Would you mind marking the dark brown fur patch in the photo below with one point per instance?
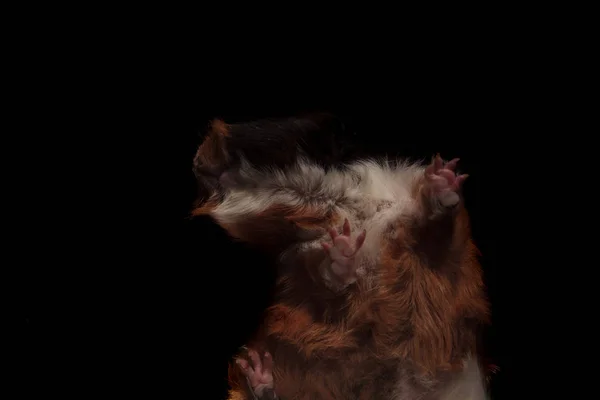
(212, 153)
(424, 316)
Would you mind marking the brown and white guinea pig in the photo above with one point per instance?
(379, 295)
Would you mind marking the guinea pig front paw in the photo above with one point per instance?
(343, 252)
(259, 374)
(442, 181)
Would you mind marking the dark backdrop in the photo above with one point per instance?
(119, 293)
(142, 299)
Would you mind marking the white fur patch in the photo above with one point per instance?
(469, 386)
(369, 193)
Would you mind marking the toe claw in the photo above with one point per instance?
(451, 165)
(255, 360)
(458, 182)
(346, 228)
(333, 233)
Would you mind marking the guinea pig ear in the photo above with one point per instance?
(212, 155)
(218, 127)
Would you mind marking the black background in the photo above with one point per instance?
(134, 297)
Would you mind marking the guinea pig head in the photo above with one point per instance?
(211, 160)
(232, 163)
(263, 144)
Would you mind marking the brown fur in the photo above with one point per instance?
(213, 151)
(424, 314)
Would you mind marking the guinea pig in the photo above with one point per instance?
(379, 293)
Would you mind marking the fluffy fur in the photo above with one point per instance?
(406, 329)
